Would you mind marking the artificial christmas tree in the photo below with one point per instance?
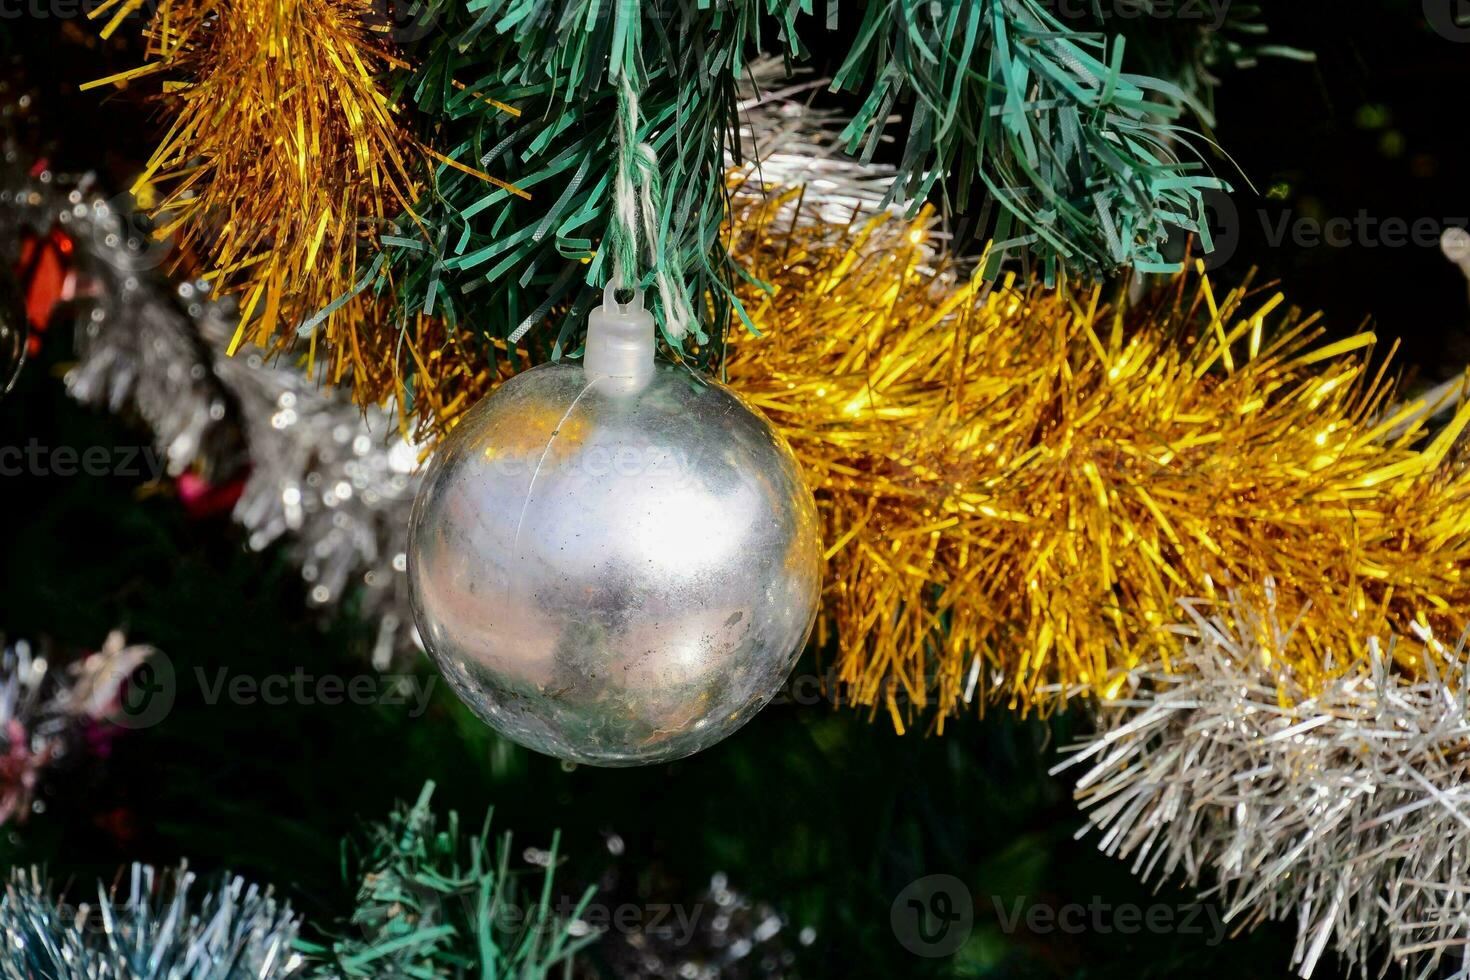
(1070, 491)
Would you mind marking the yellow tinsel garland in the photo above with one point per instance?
(1018, 485)
(282, 165)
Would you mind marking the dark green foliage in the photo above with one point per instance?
(1077, 158)
(434, 902)
(492, 261)
(1081, 157)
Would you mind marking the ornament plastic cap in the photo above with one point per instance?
(620, 342)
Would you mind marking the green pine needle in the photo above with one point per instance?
(1079, 156)
(433, 902)
(1079, 159)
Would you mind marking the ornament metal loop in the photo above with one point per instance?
(610, 300)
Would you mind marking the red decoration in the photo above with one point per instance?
(204, 499)
(44, 273)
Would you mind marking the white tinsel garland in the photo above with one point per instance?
(1348, 811)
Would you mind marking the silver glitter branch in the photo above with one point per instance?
(334, 481)
(1348, 811)
(797, 145)
(159, 928)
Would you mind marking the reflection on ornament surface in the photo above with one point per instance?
(614, 577)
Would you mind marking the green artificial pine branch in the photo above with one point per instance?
(491, 261)
(433, 902)
(1078, 157)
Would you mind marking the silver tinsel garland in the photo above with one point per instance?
(1348, 811)
(794, 144)
(159, 927)
(334, 481)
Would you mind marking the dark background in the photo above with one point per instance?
(1368, 127)
(820, 810)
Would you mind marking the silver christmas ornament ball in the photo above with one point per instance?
(614, 570)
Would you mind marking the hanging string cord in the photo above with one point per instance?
(637, 202)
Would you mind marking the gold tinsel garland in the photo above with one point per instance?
(282, 164)
(1019, 485)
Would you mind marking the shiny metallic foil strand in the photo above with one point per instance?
(151, 924)
(282, 163)
(1343, 805)
(1017, 484)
